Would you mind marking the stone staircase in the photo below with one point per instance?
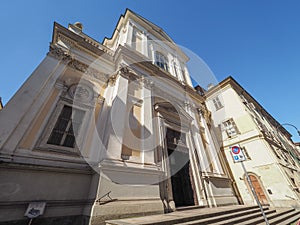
(242, 215)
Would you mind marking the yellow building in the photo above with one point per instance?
(272, 159)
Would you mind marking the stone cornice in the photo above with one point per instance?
(73, 63)
(88, 70)
(85, 42)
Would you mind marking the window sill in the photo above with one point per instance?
(58, 149)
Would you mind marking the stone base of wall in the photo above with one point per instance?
(64, 220)
(224, 201)
(285, 203)
(125, 209)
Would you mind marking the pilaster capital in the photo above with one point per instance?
(59, 54)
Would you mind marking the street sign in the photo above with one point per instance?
(237, 154)
(35, 209)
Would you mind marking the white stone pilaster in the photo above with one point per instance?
(117, 117)
(129, 33)
(148, 138)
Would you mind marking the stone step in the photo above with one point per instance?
(272, 219)
(190, 207)
(183, 216)
(240, 215)
(286, 219)
(244, 219)
(230, 217)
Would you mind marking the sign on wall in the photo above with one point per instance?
(35, 209)
(237, 153)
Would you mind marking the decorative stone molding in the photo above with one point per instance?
(86, 69)
(80, 92)
(124, 71)
(127, 72)
(148, 83)
(60, 85)
(59, 54)
(100, 99)
(203, 111)
(112, 79)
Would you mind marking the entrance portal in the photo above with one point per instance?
(258, 190)
(179, 162)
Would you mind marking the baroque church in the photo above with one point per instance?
(109, 130)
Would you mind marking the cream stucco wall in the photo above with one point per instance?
(263, 162)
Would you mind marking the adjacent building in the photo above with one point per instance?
(272, 159)
(108, 130)
(1, 105)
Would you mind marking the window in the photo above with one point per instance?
(230, 127)
(66, 127)
(244, 150)
(217, 103)
(137, 40)
(161, 61)
(175, 69)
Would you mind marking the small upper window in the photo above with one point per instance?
(161, 61)
(137, 40)
(175, 69)
(217, 103)
(230, 127)
(66, 127)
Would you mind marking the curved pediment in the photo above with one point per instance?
(173, 112)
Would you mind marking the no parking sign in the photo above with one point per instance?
(237, 154)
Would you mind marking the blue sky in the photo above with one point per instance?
(257, 42)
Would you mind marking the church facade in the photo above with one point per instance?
(109, 130)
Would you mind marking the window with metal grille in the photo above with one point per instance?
(161, 61)
(230, 127)
(67, 127)
(217, 103)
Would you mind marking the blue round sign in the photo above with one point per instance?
(235, 149)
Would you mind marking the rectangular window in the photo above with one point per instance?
(137, 40)
(217, 103)
(66, 127)
(230, 127)
(161, 61)
(244, 150)
(175, 69)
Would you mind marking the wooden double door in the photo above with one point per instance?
(183, 194)
(258, 190)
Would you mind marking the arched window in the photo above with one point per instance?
(161, 61)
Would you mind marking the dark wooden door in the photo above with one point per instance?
(181, 184)
(258, 190)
